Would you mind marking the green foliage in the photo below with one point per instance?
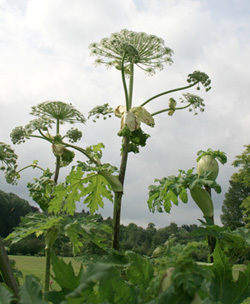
(5, 295)
(104, 110)
(236, 244)
(64, 274)
(92, 187)
(41, 189)
(232, 211)
(236, 206)
(37, 224)
(169, 189)
(140, 270)
(216, 154)
(223, 288)
(31, 292)
(12, 209)
(137, 138)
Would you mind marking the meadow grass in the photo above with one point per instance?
(36, 266)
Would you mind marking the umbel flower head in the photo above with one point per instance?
(146, 51)
(58, 110)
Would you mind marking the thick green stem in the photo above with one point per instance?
(47, 268)
(167, 92)
(6, 270)
(57, 169)
(123, 164)
(118, 195)
(124, 82)
(131, 85)
(48, 248)
(210, 240)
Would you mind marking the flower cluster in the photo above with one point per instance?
(195, 101)
(200, 77)
(8, 160)
(146, 51)
(58, 110)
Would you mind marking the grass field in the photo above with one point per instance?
(36, 265)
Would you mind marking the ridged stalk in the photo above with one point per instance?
(124, 157)
(47, 268)
(118, 195)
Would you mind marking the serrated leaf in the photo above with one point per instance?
(5, 296)
(59, 194)
(96, 189)
(31, 291)
(72, 232)
(37, 223)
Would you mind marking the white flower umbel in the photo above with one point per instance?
(146, 51)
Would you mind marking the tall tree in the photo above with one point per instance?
(236, 207)
(12, 208)
(232, 213)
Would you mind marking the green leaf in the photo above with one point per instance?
(64, 274)
(102, 283)
(36, 223)
(223, 287)
(5, 296)
(96, 189)
(93, 188)
(140, 270)
(183, 195)
(31, 291)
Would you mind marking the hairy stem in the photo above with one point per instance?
(6, 270)
(167, 92)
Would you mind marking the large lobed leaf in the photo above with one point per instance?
(93, 188)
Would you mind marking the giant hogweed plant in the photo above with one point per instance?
(126, 51)
(90, 180)
(169, 190)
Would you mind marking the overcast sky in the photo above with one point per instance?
(44, 55)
